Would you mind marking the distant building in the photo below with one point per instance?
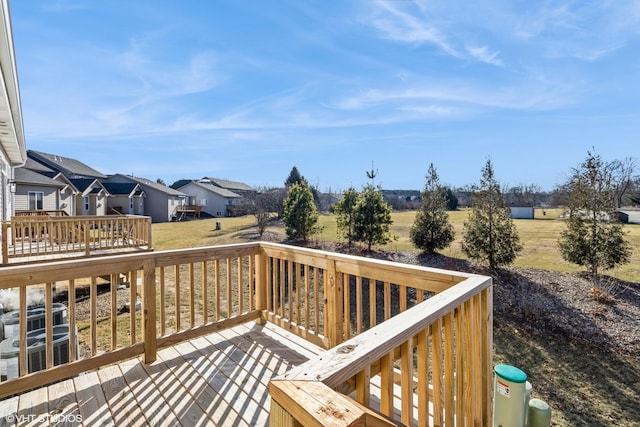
(522, 211)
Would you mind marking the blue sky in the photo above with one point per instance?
(245, 90)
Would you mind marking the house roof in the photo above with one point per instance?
(39, 167)
(88, 185)
(127, 189)
(217, 190)
(11, 126)
(181, 183)
(29, 177)
(147, 182)
(228, 184)
(72, 168)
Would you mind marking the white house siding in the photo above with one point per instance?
(522, 212)
(5, 194)
(67, 201)
(122, 204)
(212, 203)
(174, 204)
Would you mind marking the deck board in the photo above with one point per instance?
(219, 379)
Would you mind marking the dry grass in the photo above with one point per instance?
(539, 238)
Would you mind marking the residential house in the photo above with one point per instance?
(127, 198)
(234, 186)
(213, 199)
(158, 201)
(91, 197)
(34, 183)
(36, 192)
(12, 147)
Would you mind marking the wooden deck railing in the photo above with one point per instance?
(31, 237)
(419, 334)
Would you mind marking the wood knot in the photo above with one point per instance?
(345, 349)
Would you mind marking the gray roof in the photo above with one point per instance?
(69, 167)
(122, 188)
(82, 184)
(159, 187)
(39, 167)
(29, 177)
(217, 190)
(228, 184)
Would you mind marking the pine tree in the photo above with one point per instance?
(594, 237)
(345, 211)
(431, 229)
(294, 178)
(300, 213)
(372, 218)
(490, 233)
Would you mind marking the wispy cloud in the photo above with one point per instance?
(483, 54)
(396, 24)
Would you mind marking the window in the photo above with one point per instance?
(131, 204)
(85, 203)
(36, 200)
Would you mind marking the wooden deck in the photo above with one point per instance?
(219, 380)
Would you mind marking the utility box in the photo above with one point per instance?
(510, 395)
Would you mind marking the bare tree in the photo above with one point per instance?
(261, 204)
(622, 178)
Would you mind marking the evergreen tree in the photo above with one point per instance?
(345, 211)
(593, 237)
(431, 229)
(294, 178)
(490, 233)
(452, 200)
(372, 218)
(300, 213)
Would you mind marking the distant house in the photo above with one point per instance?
(126, 198)
(234, 186)
(214, 200)
(159, 202)
(35, 191)
(85, 194)
(71, 168)
(92, 196)
(522, 211)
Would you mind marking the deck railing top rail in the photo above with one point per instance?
(375, 317)
(33, 237)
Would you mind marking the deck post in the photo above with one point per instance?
(87, 248)
(149, 332)
(486, 342)
(148, 236)
(261, 285)
(5, 243)
(334, 296)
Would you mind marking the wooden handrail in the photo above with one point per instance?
(35, 238)
(449, 333)
(443, 317)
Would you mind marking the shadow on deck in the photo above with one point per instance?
(219, 379)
